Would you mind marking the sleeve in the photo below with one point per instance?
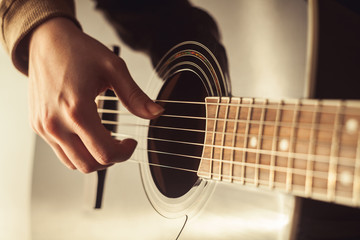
(19, 17)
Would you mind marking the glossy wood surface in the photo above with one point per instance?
(304, 147)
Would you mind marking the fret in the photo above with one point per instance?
(214, 138)
(311, 151)
(274, 145)
(290, 146)
(259, 145)
(289, 172)
(283, 142)
(356, 186)
(247, 128)
(346, 180)
(212, 111)
(334, 154)
(233, 142)
(352, 128)
(225, 100)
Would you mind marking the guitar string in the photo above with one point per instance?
(250, 180)
(316, 158)
(318, 127)
(347, 162)
(320, 175)
(264, 137)
(244, 121)
(222, 119)
(303, 107)
(268, 167)
(247, 180)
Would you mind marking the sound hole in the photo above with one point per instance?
(174, 140)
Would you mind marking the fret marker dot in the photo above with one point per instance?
(284, 144)
(253, 142)
(351, 125)
(346, 178)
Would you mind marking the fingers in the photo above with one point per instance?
(70, 149)
(56, 147)
(67, 145)
(79, 155)
(61, 154)
(105, 150)
(65, 82)
(133, 98)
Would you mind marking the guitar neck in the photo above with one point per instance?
(307, 148)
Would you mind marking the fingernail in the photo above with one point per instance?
(154, 109)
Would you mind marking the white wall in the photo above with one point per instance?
(16, 151)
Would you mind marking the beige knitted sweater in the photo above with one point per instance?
(19, 17)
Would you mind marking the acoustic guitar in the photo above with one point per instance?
(215, 166)
(308, 148)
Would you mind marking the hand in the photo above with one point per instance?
(67, 70)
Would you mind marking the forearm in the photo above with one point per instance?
(19, 17)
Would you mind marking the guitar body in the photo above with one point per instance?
(145, 200)
(185, 76)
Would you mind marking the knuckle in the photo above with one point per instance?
(120, 62)
(113, 63)
(51, 124)
(74, 112)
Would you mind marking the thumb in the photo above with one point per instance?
(132, 97)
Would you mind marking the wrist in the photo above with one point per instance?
(51, 30)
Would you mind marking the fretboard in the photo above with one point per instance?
(307, 148)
